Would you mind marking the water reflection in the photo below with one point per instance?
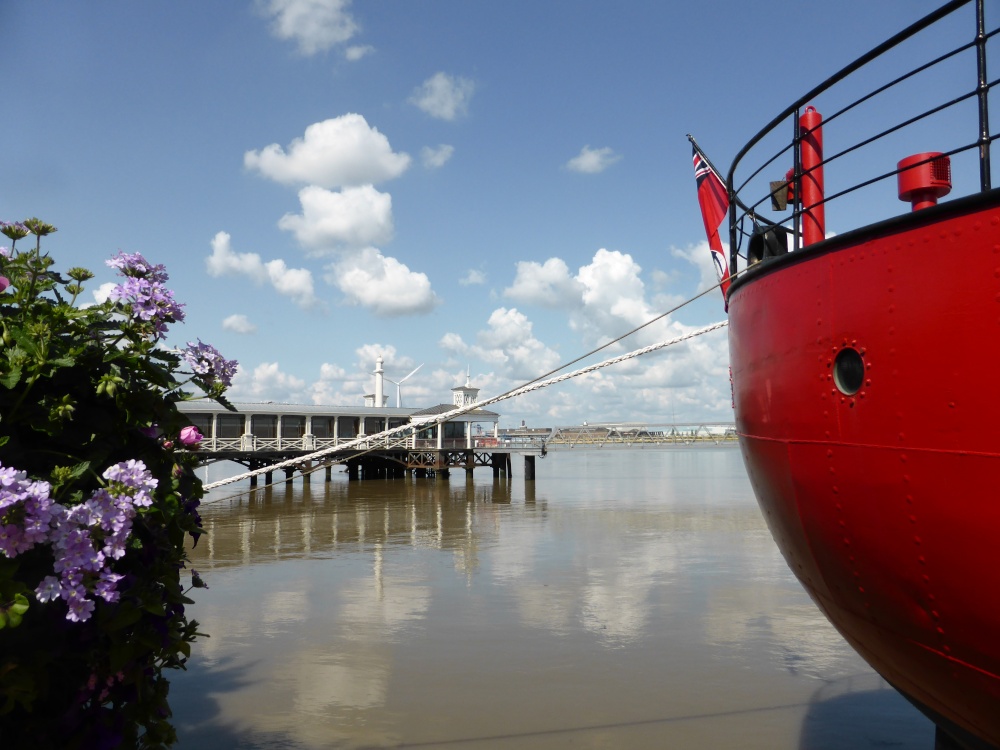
(632, 599)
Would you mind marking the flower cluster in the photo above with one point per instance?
(85, 539)
(79, 385)
(144, 292)
(133, 264)
(208, 364)
(25, 512)
(14, 230)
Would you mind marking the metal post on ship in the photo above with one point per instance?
(797, 178)
(983, 89)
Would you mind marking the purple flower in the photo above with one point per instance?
(144, 293)
(26, 512)
(190, 436)
(135, 481)
(48, 590)
(131, 473)
(208, 364)
(106, 586)
(85, 538)
(80, 607)
(150, 302)
(137, 266)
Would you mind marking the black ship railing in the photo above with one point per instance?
(937, 110)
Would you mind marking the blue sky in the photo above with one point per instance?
(492, 186)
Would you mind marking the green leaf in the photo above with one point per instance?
(12, 611)
(12, 377)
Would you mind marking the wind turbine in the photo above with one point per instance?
(399, 401)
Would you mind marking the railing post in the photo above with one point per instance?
(985, 176)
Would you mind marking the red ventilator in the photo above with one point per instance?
(923, 178)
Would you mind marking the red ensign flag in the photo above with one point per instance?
(714, 203)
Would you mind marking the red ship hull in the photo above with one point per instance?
(884, 502)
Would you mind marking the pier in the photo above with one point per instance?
(260, 435)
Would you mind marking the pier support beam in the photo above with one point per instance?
(289, 472)
(501, 464)
(529, 467)
(268, 477)
(352, 470)
(329, 472)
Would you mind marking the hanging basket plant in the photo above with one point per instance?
(97, 496)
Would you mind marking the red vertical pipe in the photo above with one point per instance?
(813, 208)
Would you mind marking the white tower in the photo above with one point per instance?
(465, 394)
(379, 399)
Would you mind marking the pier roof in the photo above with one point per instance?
(272, 407)
(472, 416)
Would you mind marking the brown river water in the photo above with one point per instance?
(623, 599)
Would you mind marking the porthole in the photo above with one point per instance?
(848, 371)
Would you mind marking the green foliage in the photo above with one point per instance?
(81, 389)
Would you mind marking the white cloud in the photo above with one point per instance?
(238, 324)
(336, 386)
(296, 283)
(353, 217)
(355, 53)
(605, 298)
(700, 256)
(367, 354)
(472, 277)
(592, 160)
(266, 383)
(103, 292)
(443, 96)
(547, 284)
(339, 385)
(435, 158)
(342, 151)
(612, 284)
(507, 343)
(382, 284)
(315, 25)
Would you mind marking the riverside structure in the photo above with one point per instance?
(258, 435)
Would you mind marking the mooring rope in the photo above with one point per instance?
(534, 385)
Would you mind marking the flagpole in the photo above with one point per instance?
(713, 199)
(704, 156)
